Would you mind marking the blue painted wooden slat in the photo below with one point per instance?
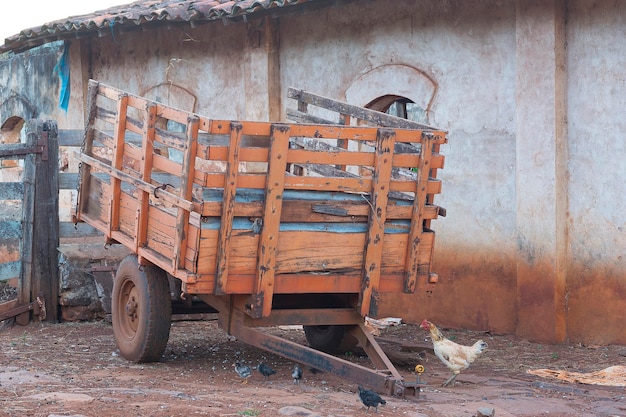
(10, 229)
(11, 190)
(10, 270)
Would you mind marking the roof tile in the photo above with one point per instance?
(139, 13)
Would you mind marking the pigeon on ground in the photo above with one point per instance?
(370, 398)
(243, 371)
(296, 374)
(266, 371)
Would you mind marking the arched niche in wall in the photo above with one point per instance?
(174, 96)
(15, 110)
(381, 87)
(11, 132)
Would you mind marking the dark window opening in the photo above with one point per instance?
(400, 107)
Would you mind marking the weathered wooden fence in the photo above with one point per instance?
(29, 240)
(36, 234)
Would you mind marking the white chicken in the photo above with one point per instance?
(456, 357)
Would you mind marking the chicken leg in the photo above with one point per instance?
(450, 380)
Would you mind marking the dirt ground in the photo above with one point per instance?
(74, 369)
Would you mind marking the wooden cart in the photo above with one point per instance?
(268, 223)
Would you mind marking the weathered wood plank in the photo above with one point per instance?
(149, 188)
(261, 304)
(83, 200)
(372, 263)
(117, 160)
(71, 137)
(11, 190)
(302, 117)
(331, 252)
(376, 117)
(26, 271)
(10, 270)
(10, 229)
(413, 267)
(185, 190)
(145, 172)
(345, 184)
(15, 151)
(228, 210)
(318, 211)
(45, 271)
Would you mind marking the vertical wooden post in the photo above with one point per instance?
(228, 208)
(119, 135)
(263, 292)
(186, 190)
(26, 243)
(145, 170)
(87, 148)
(413, 249)
(45, 266)
(372, 259)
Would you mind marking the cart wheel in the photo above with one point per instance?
(330, 339)
(141, 311)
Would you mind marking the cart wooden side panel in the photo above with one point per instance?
(258, 208)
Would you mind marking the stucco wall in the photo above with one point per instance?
(597, 150)
(29, 84)
(203, 63)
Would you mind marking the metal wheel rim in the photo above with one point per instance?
(128, 310)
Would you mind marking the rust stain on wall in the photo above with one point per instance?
(482, 292)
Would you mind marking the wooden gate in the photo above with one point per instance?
(28, 248)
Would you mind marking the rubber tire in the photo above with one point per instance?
(141, 311)
(330, 339)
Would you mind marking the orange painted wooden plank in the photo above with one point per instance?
(104, 138)
(220, 153)
(329, 157)
(359, 133)
(161, 232)
(185, 190)
(217, 127)
(145, 173)
(372, 264)
(417, 221)
(139, 103)
(165, 164)
(295, 253)
(129, 205)
(106, 91)
(228, 209)
(117, 159)
(433, 186)
(176, 115)
(261, 303)
(191, 254)
(339, 283)
(170, 139)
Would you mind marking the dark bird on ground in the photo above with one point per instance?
(296, 374)
(370, 399)
(265, 370)
(243, 371)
